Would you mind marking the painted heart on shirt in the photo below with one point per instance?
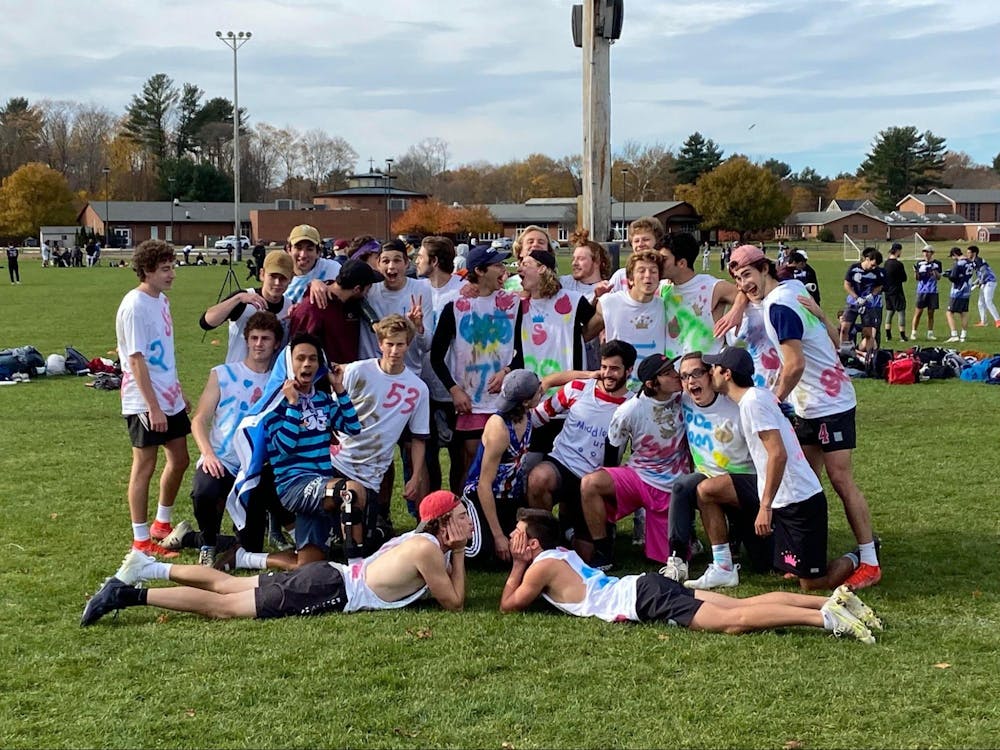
(563, 305)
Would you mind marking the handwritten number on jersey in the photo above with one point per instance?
(399, 393)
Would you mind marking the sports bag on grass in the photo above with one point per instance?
(903, 370)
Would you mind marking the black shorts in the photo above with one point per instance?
(895, 302)
(209, 489)
(661, 599)
(927, 301)
(178, 426)
(313, 589)
(800, 537)
(542, 438)
(958, 304)
(746, 491)
(834, 432)
(481, 549)
(567, 494)
(870, 317)
(760, 549)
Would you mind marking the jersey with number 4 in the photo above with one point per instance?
(386, 405)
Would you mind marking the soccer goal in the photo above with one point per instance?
(852, 253)
(919, 243)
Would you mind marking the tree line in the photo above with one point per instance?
(173, 141)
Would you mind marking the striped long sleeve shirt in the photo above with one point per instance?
(298, 435)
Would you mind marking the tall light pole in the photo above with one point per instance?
(388, 199)
(624, 200)
(234, 40)
(107, 194)
(171, 180)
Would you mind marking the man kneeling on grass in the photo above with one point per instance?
(558, 575)
(430, 558)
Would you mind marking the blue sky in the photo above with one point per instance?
(499, 79)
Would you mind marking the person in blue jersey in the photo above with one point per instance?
(543, 569)
(927, 272)
(428, 560)
(495, 485)
(986, 280)
(298, 447)
(863, 283)
(960, 275)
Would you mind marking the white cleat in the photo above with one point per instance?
(715, 578)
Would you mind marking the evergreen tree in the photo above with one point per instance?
(696, 157)
(902, 161)
(187, 111)
(147, 117)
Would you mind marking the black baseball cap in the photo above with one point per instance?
(732, 358)
(356, 272)
(653, 365)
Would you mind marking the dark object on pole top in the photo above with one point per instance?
(609, 24)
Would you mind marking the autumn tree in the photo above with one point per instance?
(960, 171)
(697, 156)
(902, 161)
(430, 217)
(738, 196)
(476, 221)
(34, 195)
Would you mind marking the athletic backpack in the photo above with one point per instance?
(23, 359)
(76, 363)
(902, 370)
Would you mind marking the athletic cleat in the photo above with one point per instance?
(175, 539)
(675, 569)
(951, 340)
(132, 570)
(931, 336)
(105, 600)
(888, 335)
(913, 334)
(206, 556)
(149, 547)
(850, 601)
(864, 575)
(847, 624)
(160, 531)
(601, 561)
(980, 324)
(280, 541)
(715, 578)
(639, 528)
(226, 561)
(902, 336)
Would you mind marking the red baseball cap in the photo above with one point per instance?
(435, 505)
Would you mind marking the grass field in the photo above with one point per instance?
(424, 678)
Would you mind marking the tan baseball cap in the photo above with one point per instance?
(278, 261)
(304, 232)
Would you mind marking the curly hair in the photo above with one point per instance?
(600, 256)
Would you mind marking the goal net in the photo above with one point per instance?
(852, 253)
(919, 243)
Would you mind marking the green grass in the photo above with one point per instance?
(424, 678)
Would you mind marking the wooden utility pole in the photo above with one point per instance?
(596, 122)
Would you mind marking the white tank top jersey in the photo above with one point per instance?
(324, 270)
(642, 324)
(715, 437)
(688, 308)
(570, 284)
(619, 281)
(824, 388)
(580, 445)
(237, 351)
(360, 597)
(386, 302)
(385, 404)
(439, 298)
(752, 333)
(239, 388)
(759, 411)
(656, 432)
(483, 345)
(548, 333)
(609, 598)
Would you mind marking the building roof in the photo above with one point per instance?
(894, 218)
(59, 230)
(158, 212)
(928, 199)
(564, 210)
(378, 191)
(968, 195)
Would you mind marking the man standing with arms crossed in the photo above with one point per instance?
(153, 404)
(821, 395)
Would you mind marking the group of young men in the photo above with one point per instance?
(530, 392)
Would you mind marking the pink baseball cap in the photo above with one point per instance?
(745, 255)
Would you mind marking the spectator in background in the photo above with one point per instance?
(927, 272)
(895, 297)
(798, 264)
(960, 274)
(986, 280)
(12, 264)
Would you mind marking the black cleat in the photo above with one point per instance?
(107, 599)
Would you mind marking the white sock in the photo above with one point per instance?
(954, 333)
(868, 555)
(964, 333)
(164, 513)
(828, 621)
(251, 560)
(140, 532)
(157, 571)
(722, 556)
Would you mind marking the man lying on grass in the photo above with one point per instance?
(560, 577)
(430, 558)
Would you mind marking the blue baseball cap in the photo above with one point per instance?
(485, 255)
